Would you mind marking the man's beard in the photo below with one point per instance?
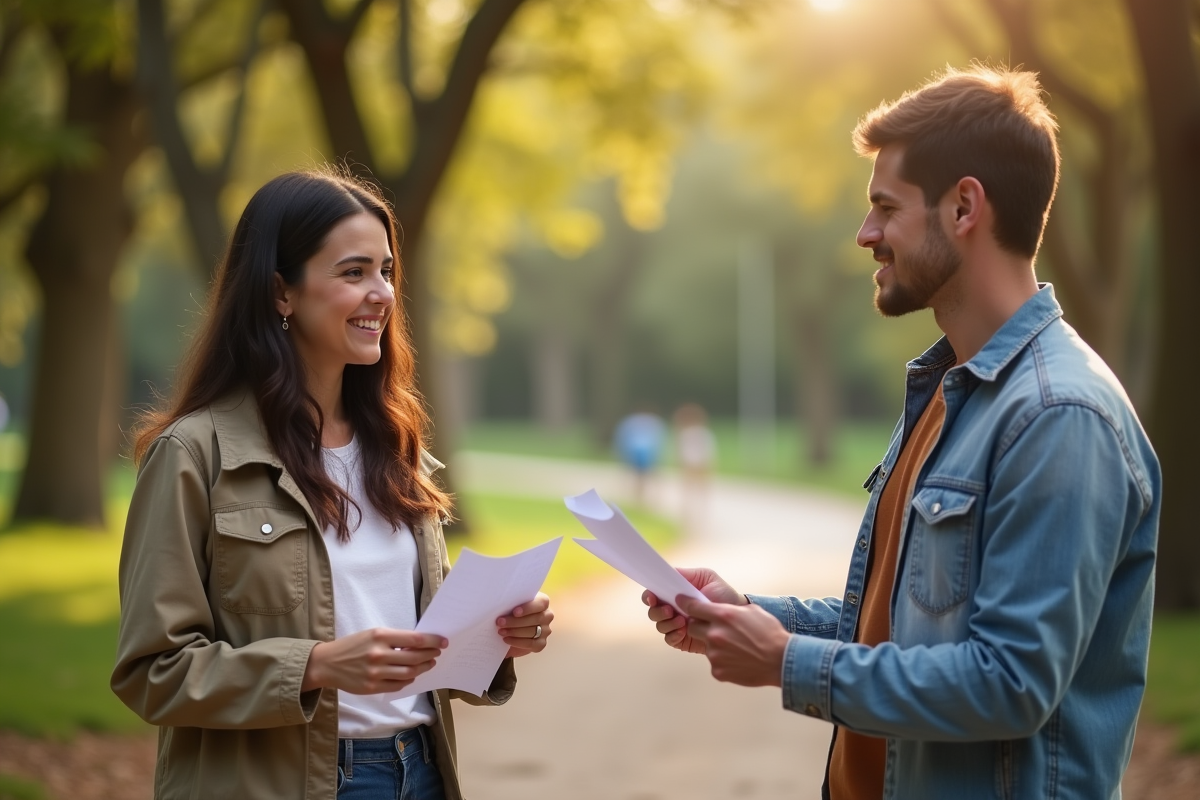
(926, 271)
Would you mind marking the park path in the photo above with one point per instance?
(608, 711)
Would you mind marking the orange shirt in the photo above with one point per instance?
(857, 762)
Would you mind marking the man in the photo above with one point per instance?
(992, 638)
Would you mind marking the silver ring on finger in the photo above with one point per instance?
(537, 632)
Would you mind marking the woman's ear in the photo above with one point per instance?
(969, 202)
(283, 294)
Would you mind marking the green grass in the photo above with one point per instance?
(13, 788)
(858, 447)
(1173, 685)
(59, 606)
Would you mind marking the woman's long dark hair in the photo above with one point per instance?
(241, 344)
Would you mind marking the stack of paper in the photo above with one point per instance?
(619, 545)
(475, 593)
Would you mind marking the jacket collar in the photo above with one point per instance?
(1005, 344)
(242, 437)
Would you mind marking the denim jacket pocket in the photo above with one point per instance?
(261, 555)
(940, 542)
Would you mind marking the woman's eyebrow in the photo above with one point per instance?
(362, 260)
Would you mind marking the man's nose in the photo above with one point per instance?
(870, 234)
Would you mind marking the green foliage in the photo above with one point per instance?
(1173, 685)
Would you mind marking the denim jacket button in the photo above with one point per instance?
(812, 711)
(936, 508)
(852, 598)
(862, 544)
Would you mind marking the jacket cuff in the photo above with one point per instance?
(297, 707)
(807, 676)
(777, 607)
(503, 684)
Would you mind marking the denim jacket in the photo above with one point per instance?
(1021, 607)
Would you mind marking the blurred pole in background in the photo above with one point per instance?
(554, 400)
(756, 354)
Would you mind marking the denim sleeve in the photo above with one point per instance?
(1058, 517)
(812, 617)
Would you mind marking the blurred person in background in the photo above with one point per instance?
(639, 439)
(993, 635)
(289, 468)
(696, 451)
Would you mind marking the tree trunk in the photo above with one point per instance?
(1092, 266)
(608, 363)
(1163, 30)
(816, 382)
(73, 251)
(553, 378)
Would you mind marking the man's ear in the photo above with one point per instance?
(283, 294)
(969, 201)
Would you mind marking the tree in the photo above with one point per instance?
(73, 251)
(1090, 237)
(204, 36)
(1165, 33)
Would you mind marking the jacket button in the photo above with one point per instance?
(852, 598)
(936, 508)
(812, 711)
(862, 544)
(266, 528)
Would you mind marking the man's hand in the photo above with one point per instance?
(528, 628)
(673, 625)
(744, 644)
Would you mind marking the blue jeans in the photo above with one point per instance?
(400, 767)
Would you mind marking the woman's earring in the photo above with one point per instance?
(285, 325)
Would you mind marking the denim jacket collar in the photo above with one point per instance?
(1030, 319)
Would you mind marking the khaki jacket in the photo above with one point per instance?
(225, 589)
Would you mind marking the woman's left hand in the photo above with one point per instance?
(525, 630)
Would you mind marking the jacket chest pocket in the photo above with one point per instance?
(261, 556)
(941, 538)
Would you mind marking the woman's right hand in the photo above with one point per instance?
(372, 661)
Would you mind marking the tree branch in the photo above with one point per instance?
(954, 24)
(239, 103)
(325, 43)
(199, 12)
(198, 188)
(11, 27)
(356, 14)
(1014, 16)
(15, 192)
(406, 57)
(156, 80)
(440, 123)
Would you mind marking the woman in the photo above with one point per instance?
(288, 471)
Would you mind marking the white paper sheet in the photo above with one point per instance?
(619, 545)
(477, 591)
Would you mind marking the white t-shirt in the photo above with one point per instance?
(376, 582)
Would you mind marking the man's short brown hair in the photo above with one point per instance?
(987, 123)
